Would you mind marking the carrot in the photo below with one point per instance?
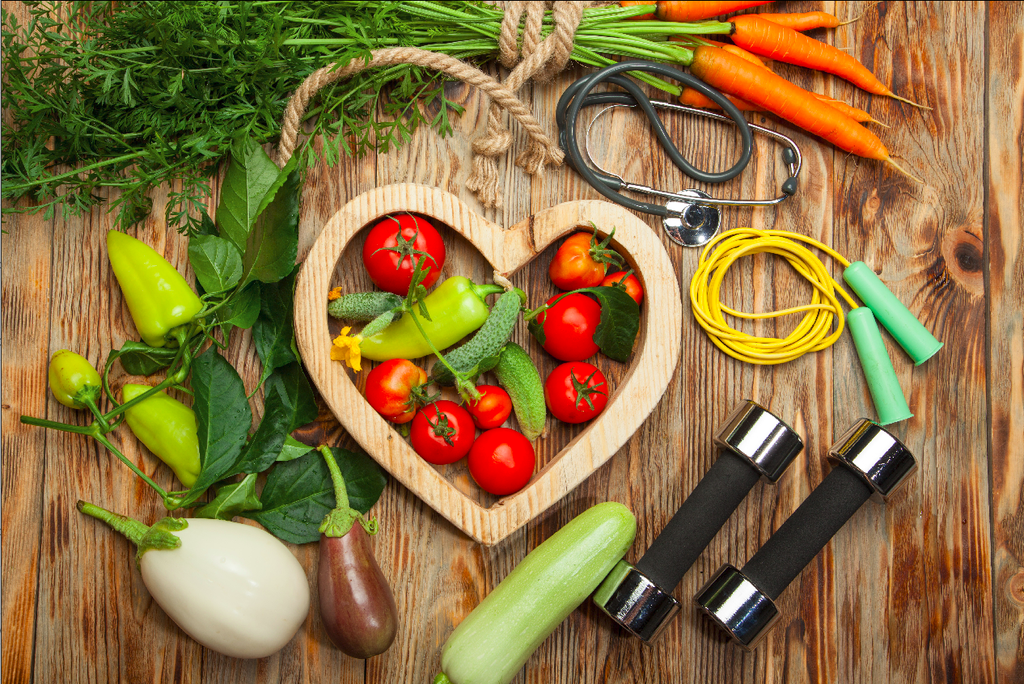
(642, 17)
(695, 11)
(693, 98)
(762, 37)
(803, 21)
(774, 94)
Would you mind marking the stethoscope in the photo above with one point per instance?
(691, 217)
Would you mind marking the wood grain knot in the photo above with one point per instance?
(963, 253)
(1015, 588)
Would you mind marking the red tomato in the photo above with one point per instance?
(391, 263)
(568, 327)
(389, 386)
(502, 461)
(576, 392)
(632, 285)
(442, 432)
(573, 266)
(493, 408)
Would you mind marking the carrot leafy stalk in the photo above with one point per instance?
(772, 93)
(633, 3)
(767, 39)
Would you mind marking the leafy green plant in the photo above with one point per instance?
(130, 95)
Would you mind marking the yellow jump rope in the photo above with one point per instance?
(814, 332)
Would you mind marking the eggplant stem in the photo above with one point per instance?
(133, 530)
(338, 522)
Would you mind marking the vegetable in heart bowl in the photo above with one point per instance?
(637, 353)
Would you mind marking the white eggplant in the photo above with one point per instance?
(233, 588)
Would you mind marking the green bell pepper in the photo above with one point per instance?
(73, 380)
(167, 428)
(157, 295)
(456, 308)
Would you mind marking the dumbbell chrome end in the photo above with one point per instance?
(761, 437)
(635, 602)
(737, 606)
(872, 452)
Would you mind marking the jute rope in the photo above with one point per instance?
(542, 59)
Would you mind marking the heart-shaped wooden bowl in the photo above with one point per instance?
(655, 354)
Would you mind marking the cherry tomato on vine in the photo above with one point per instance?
(389, 253)
(632, 285)
(492, 409)
(389, 389)
(502, 461)
(576, 392)
(566, 330)
(442, 432)
(581, 261)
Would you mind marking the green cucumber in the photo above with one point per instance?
(363, 306)
(480, 354)
(521, 379)
(495, 640)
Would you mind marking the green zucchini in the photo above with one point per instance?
(521, 379)
(496, 639)
(363, 306)
(480, 354)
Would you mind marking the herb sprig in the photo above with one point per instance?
(130, 95)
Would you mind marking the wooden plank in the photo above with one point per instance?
(1005, 279)
(929, 547)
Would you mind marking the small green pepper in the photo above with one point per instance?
(73, 380)
(157, 295)
(456, 308)
(167, 428)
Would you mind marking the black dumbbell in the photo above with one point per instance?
(870, 461)
(754, 443)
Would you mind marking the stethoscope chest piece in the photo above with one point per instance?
(690, 224)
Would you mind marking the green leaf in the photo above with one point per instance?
(292, 450)
(273, 244)
(289, 404)
(243, 307)
(620, 322)
(216, 262)
(223, 418)
(140, 359)
(249, 179)
(232, 500)
(299, 494)
(273, 332)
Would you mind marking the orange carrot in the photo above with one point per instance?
(693, 98)
(695, 11)
(803, 21)
(762, 37)
(774, 94)
(642, 17)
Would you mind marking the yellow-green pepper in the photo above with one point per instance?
(73, 380)
(157, 295)
(456, 308)
(167, 428)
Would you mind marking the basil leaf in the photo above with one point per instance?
(273, 243)
(289, 403)
(273, 332)
(620, 322)
(249, 179)
(292, 450)
(216, 262)
(299, 494)
(140, 359)
(223, 418)
(232, 500)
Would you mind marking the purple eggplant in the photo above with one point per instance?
(356, 603)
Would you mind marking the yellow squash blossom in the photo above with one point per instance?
(346, 348)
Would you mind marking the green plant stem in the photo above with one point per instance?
(133, 530)
(54, 425)
(340, 491)
(124, 459)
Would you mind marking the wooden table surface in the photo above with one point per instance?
(929, 587)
